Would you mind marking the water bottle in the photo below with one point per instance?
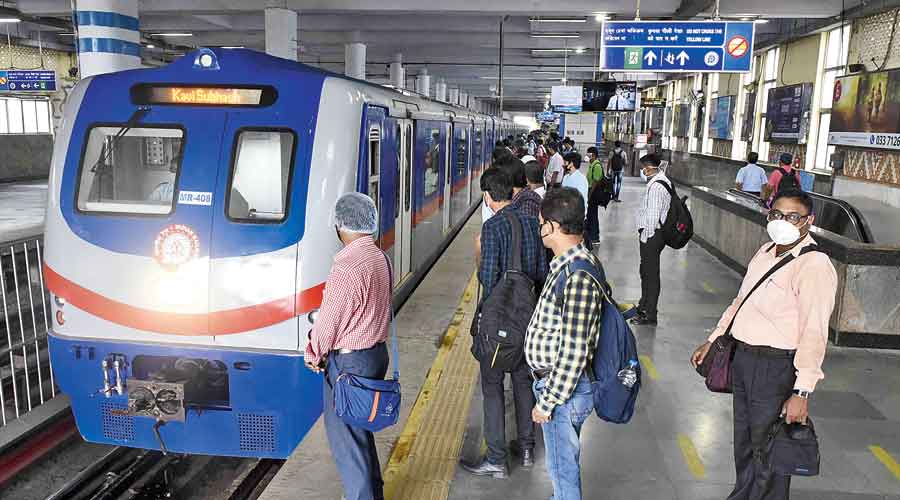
(628, 375)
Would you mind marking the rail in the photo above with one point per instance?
(832, 214)
(26, 377)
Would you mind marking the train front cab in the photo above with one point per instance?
(172, 259)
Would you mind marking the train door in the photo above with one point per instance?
(403, 201)
(255, 232)
(448, 177)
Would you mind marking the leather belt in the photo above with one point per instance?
(764, 350)
(343, 351)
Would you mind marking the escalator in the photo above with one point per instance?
(832, 214)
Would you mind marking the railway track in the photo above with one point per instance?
(134, 474)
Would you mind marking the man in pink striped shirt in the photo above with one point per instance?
(349, 336)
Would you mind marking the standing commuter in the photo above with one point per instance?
(654, 210)
(785, 177)
(350, 335)
(561, 339)
(781, 333)
(594, 176)
(496, 242)
(541, 154)
(751, 177)
(617, 161)
(534, 174)
(524, 199)
(555, 171)
(574, 178)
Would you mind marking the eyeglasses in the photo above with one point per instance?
(792, 217)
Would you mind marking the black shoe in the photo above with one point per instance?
(641, 319)
(485, 468)
(617, 200)
(527, 455)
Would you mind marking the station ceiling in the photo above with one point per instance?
(457, 40)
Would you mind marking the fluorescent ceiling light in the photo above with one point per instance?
(232, 47)
(150, 46)
(601, 17)
(547, 72)
(10, 20)
(579, 50)
(557, 19)
(556, 35)
(65, 34)
(761, 21)
(171, 34)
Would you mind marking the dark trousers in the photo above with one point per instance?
(650, 252)
(353, 448)
(592, 223)
(617, 178)
(495, 409)
(762, 383)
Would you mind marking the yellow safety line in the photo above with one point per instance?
(422, 469)
(691, 458)
(886, 459)
(709, 288)
(648, 366)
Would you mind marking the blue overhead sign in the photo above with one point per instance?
(675, 46)
(27, 81)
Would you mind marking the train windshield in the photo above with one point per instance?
(130, 170)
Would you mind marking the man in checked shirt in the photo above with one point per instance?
(561, 339)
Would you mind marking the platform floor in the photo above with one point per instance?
(22, 208)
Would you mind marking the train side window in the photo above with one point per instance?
(260, 175)
(397, 180)
(130, 170)
(410, 140)
(375, 164)
(432, 170)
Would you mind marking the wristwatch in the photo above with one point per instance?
(803, 394)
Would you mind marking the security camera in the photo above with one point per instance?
(73, 72)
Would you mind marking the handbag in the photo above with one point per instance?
(716, 366)
(792, 449)
(368, 403)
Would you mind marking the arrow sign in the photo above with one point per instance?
(683, 58)
(650, 58)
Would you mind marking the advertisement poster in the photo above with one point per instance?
(722, 118)
(786, 112)
(566, 98)
(749, 117)
(866, 111)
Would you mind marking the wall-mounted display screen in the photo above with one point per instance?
(190, 95)
(610, 96)
(566, 98)
(866, 111)
(787, 113)
(721, 119)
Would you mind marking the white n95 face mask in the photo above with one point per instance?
(644, 176)
(782, 232)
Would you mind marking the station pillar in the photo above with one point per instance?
(440, 91)
(398, 73)
(355, 60)
(464, 99)
(108, 36)
(423, 83)
(281, 33)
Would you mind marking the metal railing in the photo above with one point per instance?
(26, 377)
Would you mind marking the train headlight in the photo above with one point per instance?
(313, 316)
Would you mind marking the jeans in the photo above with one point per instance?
(495, 410)
(649, 270)
(562, 439)
(353, 448)
(761, 383)
(617, 183)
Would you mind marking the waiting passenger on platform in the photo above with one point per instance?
(594, 176)
(574, 178)
(540, 153)
(568, 145)
(534, 174)
(555, 171)
(616, 169)
(781, 333)
(561, 339)
(519, 148)
(496, 242)
(350, 334)
(654, 210)
(524, 199)
(785, 177)
(751, 177)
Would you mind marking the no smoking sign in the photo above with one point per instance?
(737, 46)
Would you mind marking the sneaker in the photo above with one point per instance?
(485, 468)
(640, 319)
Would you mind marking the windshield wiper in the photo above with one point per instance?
(133, 120)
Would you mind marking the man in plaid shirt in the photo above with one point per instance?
(561, 340)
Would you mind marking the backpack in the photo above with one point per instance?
(617, 162)
(616, 350)
(678, 228)
(605, 191)
(502, 319)
(788, 181)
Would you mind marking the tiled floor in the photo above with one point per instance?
(855, 407)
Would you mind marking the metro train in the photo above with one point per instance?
(189, 237)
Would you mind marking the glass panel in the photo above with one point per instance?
(29, 117)
(771, 64)
(43, 116)
(432, 161)
(134, 174)
(14, 114)
(833, 49)
(262, 168)
(822, 153)
(4, 127)
(827, 89)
